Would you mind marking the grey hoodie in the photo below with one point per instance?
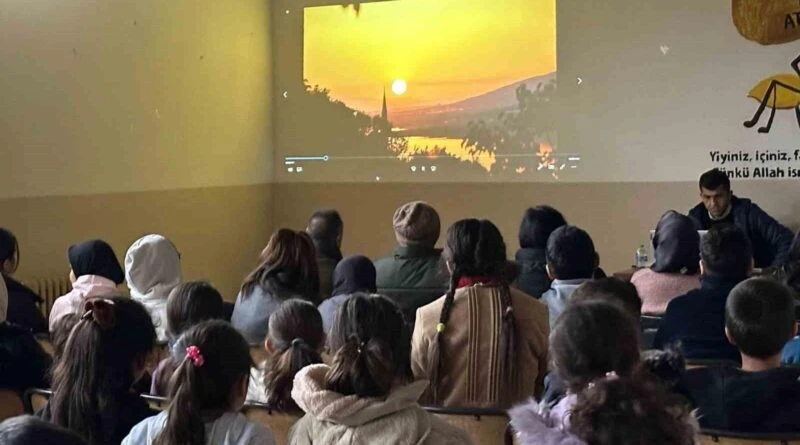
(333, 419)
(228, 429)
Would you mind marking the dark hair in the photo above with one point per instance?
(354, 274)
(631, 410)
(759, 315)
(97, 363)
(202, 385)
(676, 245)
(475, 248)
(726, 251)
(297, 337)
(62, 328)
(190, 303)
(9, 247)
(372, 345)
(571, 254)
(537, 225)
(592, 338)
(612, 290)
(714, 179)
(27, 430)
(666, 365)
(325, 224)
(288, 260)
(325, 228)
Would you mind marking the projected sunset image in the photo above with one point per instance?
(469, 80)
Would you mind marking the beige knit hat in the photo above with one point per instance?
(417, 223)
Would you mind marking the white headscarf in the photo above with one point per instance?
(3, 299)
(153, 269)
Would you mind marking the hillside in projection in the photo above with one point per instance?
(403, 88)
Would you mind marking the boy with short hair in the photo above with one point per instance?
(761, 396)
(571, 261)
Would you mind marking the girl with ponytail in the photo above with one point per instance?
(206, 392)
(105, 354)
(472, 343)
(294, 341)
(612, 398)
(367, 395)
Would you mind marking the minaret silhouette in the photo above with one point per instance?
(384, 109)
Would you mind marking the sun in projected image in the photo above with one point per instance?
(399, 87)
(424, 79)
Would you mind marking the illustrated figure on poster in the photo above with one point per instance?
(771, 22)
(779, 92)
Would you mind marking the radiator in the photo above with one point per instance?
(49, 289)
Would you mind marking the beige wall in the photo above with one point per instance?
(120, 118)
(641, 113)
(219, 231)
(118, 96)
(617, 215)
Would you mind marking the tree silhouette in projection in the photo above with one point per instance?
(517, 131)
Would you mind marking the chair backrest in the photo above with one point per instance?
(649, 325)
(155, 403)
(484, 425)
(10, 404)
(279, 423)
(35, 399)
(409, 299)
(692, 363)
(716, 437)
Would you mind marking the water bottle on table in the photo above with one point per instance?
(641, 259)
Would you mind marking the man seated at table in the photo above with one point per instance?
(770, 239)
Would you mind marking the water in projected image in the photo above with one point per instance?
(467, 80)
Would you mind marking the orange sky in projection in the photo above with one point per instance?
(447, 50)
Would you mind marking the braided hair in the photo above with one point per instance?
(474, 248)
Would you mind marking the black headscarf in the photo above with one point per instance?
(677, 245)
(95, 257)
(354, 274)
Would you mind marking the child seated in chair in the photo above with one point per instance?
(367, 396)
(295, 340)
(188, 304)
(206, 392)
(761, 396)
(612, 399)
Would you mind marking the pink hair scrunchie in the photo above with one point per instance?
(193, 352)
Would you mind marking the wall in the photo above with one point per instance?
(121, 118)
(663, 84)
(617, 215)
(219, 231)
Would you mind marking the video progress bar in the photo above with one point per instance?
(291, 160)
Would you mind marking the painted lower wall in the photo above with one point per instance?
(218, 230)
(617, 215)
